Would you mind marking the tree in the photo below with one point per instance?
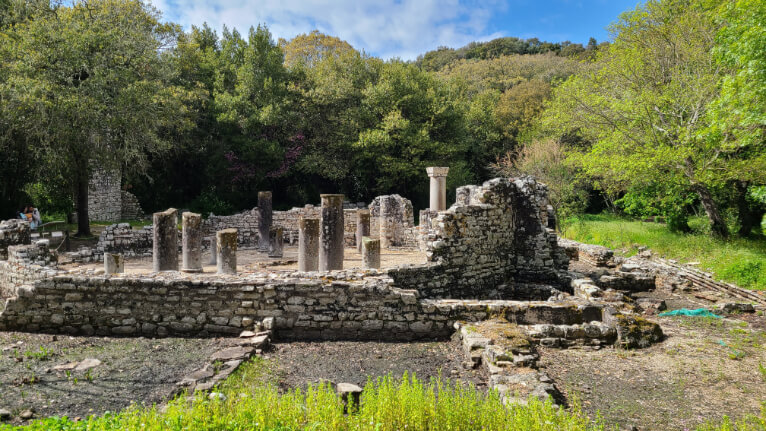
(409, 122)
(91, 84)
(644, 105)
(546, 160)
(738, 116)
(309, 49)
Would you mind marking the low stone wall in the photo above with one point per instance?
(493, 239)
(311, 308)
(26, 264)
(13, 232)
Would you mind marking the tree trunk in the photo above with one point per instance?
(83, 224)
(745, 214)
(717, 224)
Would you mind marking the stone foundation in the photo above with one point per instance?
(13, 232)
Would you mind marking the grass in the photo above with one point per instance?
(741, 261)
(252, 401)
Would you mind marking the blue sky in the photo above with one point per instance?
(406, 28)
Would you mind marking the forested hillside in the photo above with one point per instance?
(667, 119)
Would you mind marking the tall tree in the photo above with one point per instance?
(92, 85)
(644, 105)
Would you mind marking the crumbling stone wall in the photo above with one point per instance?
(108, 202)
(247, 223)
(392, 216)
(104, 196)
(130, 208)
(25, 264)
(13, 232)
(493, 240)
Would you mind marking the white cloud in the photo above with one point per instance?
(387, 28)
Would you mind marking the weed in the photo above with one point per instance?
(42, 355)
(386, 404)
(762, 370)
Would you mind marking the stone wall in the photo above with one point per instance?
(108, 202)
(26, 264)
(494, 239)
(13, 232)
(397, 221)
(130, 208)
(104, 196)
(247, 223)
(366, 307)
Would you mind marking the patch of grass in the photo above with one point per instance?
(252, 402)
(42, 355)
(741, 261)
(749, 423)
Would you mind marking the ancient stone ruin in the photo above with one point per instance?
(107, 201)
(339, 271)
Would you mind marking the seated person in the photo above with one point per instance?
(28, 215)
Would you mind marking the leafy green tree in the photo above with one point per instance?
(409, 122)
(738, 116)
(645, 103)
(310, 49)
(546, 160)
(90, 83)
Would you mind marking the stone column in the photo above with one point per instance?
(387, 222)
(113, 263)
(438, 198)
(331, 233)
(165, 247)
(226, 248)
(371, 252)
(213, 251)
(276, 241)
(362, 227)
(308, 244)
(264, 222)
(191, 240)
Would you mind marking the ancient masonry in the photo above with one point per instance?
(490, 257)
(108, 202)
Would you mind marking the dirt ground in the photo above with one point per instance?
(705, 368)
(132, 370)
(249, 260)
(299, 363)
(145, 371)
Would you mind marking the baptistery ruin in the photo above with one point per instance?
(339, 271)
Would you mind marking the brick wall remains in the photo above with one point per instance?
(13, 232)
(104, 196)
(493, 239)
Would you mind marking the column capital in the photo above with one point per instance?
(434, 171)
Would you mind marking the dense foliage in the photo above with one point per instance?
(665, 120)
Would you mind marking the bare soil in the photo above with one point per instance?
(132, 370)
(250, 260)
(705, 368)
(300, 363)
